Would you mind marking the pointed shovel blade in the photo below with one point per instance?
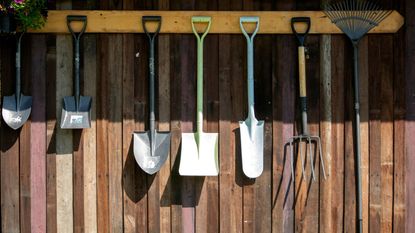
(16, 117)
(76, 119)
(202, 159)
(151, 161)
(252, 146)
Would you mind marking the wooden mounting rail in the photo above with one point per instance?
(223, 22)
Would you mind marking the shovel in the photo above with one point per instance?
(16, 108)
(76, 111)
(151, 148)
(252, 130)
(199, 153)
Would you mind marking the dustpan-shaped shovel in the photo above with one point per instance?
(199, 153)
(16, 108)
(252, 130)
(151, 148)
(76, 111)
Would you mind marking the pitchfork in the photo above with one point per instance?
(305, 135)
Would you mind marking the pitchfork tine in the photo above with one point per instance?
(302, 158)
(292, 159)
(311, 158)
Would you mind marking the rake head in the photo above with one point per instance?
(308, 140)
(355, 17)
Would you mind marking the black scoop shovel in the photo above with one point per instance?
(17, 107)
(76, 112)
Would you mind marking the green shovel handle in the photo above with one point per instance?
(250, 58)
(200, 19)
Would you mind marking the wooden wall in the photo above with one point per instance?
(55, 180)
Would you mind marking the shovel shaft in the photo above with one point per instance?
(250, 62)
(151, 64)
(200, 39)
(18, 68)
(357, 133)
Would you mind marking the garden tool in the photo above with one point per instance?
(305, 135)
(252, 130)
(356, 18)
(151, 148)
(17, 107)
(76, 111)
(199, 153)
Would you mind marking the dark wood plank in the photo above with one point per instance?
(10, 215)
(164, 73)
(102, 134)
(399, 195)
(410, 115)
(230, 112)
(38, 132)
(338, 145)
(375, 106)
(51, 201)
(25, 141)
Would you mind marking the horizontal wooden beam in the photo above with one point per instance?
(224, 22)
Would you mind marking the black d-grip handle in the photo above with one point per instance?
(152, 18)
(79, 18)
(301, 36)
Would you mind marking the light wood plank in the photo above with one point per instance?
(89, 138)
(64, 158)
(275, 22)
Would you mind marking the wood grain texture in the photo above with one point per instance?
(272, 22)
(410, 116)
(38, 141)
(10, 214)
(24, 142)
(64, 149)
(90, 137)
(51, 199)
(338, 145)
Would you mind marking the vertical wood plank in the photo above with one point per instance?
(399, 195)
(230, 112)
(364, 127)
(338, 144)
(64, 158)
(51, 198)
(164, 123)
(375, 108)
(90, 137)
(25, 142)
(410, 115)
(326, 121)
(386, 76)
(10, 216)
(102, 137)
(38, 132)
(284, 102)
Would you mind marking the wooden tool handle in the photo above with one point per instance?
(302, 75)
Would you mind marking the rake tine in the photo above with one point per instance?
(321, 158)
(311, 158)
(292, 159)
(302, 159)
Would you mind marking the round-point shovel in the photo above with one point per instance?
(151, 148)
(252, 130)
(76, 111)
(199, 153)
(17, 107)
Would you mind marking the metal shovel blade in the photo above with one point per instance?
(252, 147)
(149, 155)
(73, 118)
(202, 159)
(16, 117)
